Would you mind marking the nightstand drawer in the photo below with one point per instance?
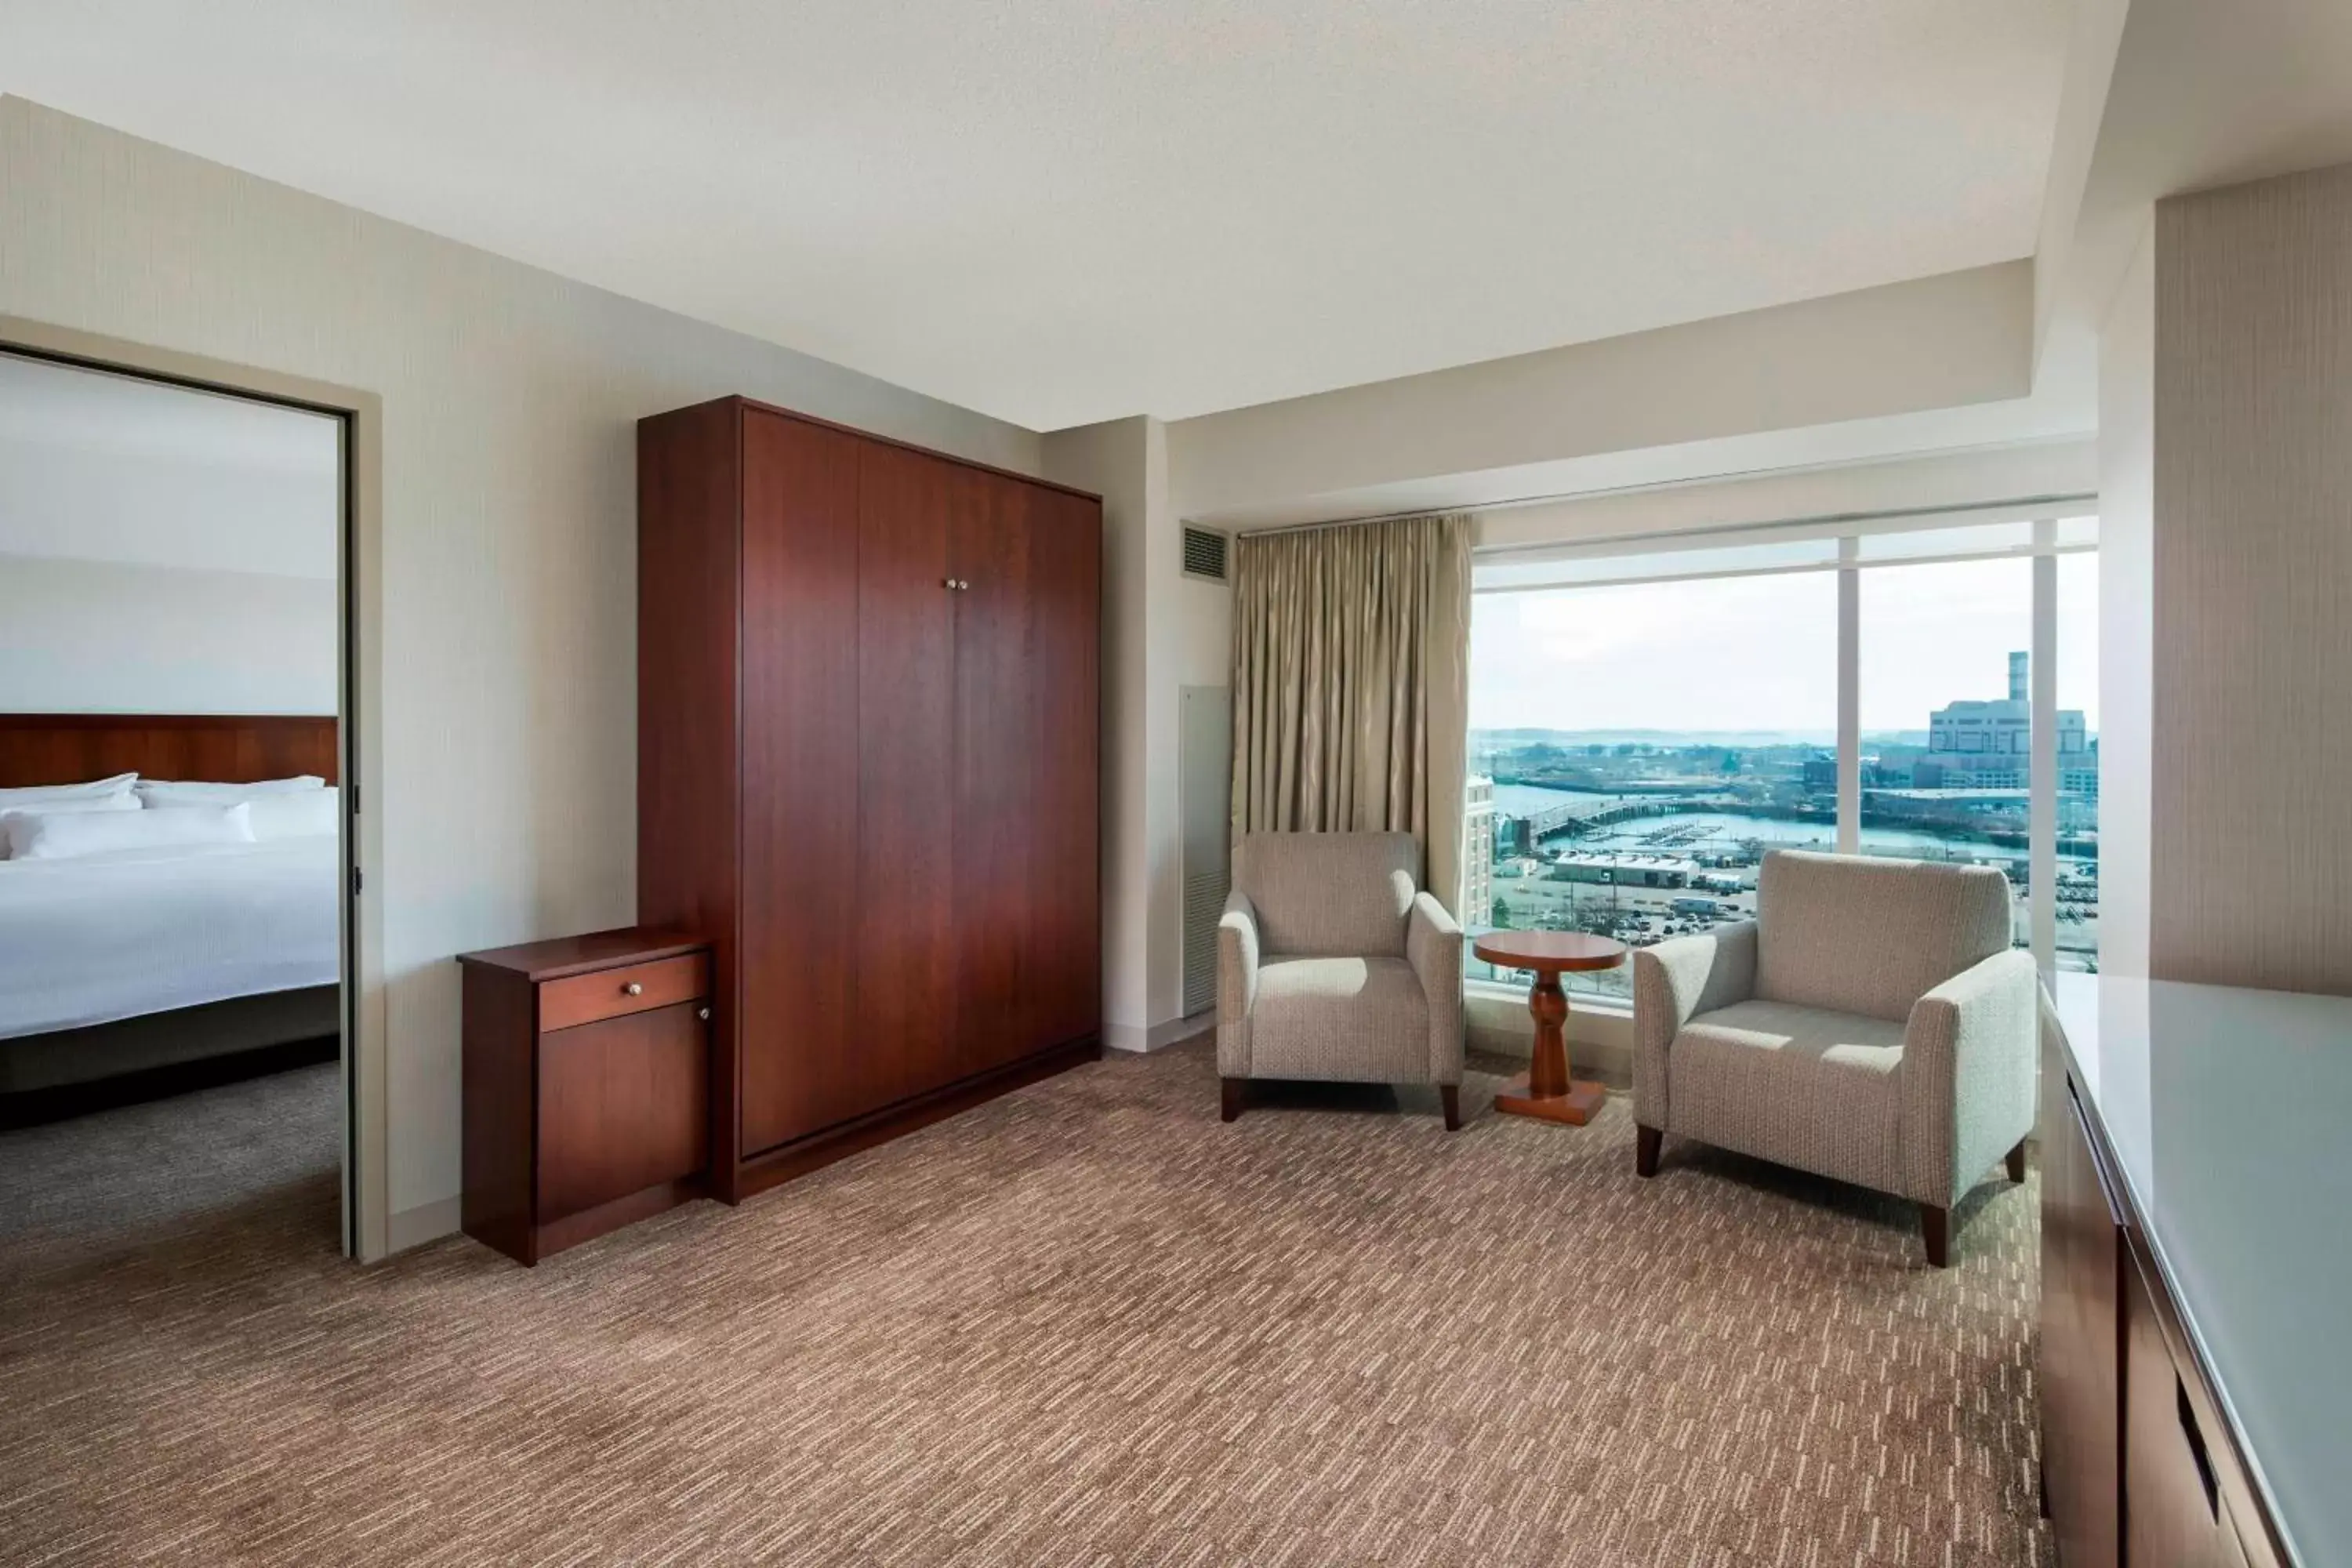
(612, 993)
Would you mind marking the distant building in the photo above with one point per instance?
(1478, 853)
(1626, 871)
(1820, 773)
(1989, 745)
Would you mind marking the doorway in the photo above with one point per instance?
(184, 761)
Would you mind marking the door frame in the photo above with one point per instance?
(366, 1186)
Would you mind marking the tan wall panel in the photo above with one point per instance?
(2252, 657)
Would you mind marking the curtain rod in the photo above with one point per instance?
(1357, 521)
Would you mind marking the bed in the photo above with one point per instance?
(159, 958)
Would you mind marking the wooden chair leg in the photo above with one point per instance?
(1233, 1090)
(1647, 1141)
(1451, 1093)
(1936, 1229)
(2017, 1161)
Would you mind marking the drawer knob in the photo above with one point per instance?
(633, 989)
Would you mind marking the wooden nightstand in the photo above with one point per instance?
(587, 1085)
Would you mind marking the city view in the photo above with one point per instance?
(1644, 833)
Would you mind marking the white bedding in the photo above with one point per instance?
(101, 937)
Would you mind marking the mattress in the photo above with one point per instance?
(101, 937)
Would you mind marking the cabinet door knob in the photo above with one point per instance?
(703, 1014)
(633, 989)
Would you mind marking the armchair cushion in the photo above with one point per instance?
(1806, 1086)
(1859, 935)
(1345, 1020)
(1329, 894)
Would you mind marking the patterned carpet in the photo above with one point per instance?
(1086, 1323)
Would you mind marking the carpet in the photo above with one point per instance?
(1086, 1323)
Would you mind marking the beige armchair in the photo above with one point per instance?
(1330, 965)
(1871, 1024)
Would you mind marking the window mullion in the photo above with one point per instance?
(1848, 678)
(2041, 805)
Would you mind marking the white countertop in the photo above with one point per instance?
(2230, 1112)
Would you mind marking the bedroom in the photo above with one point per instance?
(169, 760)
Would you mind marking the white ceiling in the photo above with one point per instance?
(1071, 210)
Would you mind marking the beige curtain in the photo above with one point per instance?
(1351, 684)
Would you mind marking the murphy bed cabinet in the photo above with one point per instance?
(867, 771)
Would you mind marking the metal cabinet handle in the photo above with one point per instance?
(633, 989)
(703, 1014)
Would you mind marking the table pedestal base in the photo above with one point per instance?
(1575, 1108)
(1545, 1090)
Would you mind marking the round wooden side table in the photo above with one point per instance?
(1546, 1091)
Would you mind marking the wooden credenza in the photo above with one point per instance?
(2143, 1466)
(867, 767)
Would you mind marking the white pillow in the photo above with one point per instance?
(169, 792)
(303, 813)
(76, 806)
(41, 795)
(126, 801)
(62, 834)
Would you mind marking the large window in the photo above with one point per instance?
(1646, 743)
(1645, 726)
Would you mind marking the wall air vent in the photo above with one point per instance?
(1205, 553)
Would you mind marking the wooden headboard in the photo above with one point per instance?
(69, 748)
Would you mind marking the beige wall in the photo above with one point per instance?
(2127, 609)
(1191, 645)
(507, 605)
(106, 636)
(1929, 483)
(2252, 530)
(1161, 632)
(1124, 460)
(1932, 344)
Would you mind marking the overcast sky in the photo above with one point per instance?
(1760, 653)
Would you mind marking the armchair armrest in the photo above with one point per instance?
(1970, 1052)
(1433, 946)
(1236, 959)
(1674, 981)
(1236, 983)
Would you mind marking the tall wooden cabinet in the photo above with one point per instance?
(867, 771)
